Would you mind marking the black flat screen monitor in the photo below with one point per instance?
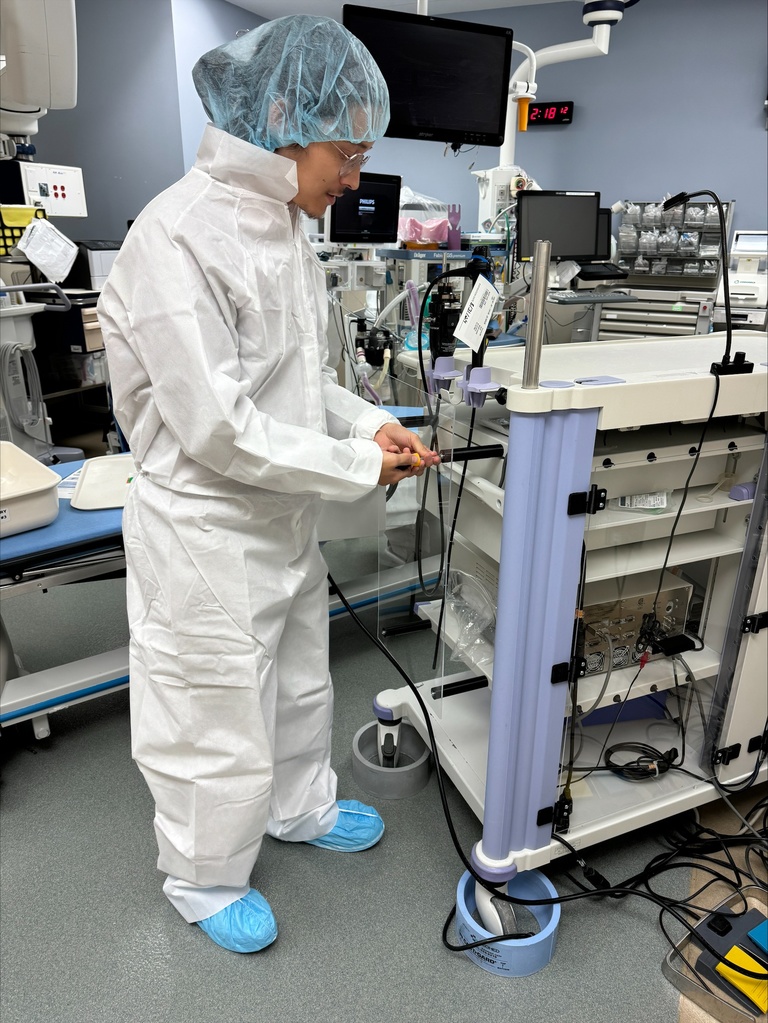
(369, 215)
(603, 236)
(448, 80)
(566, 219)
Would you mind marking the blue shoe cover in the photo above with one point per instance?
(243, 926)
(358, 827)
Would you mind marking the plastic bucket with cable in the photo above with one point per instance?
(408, 778)
(518, 957)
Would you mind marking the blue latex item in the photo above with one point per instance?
(358, 827)
(243, 926)
(293, 81)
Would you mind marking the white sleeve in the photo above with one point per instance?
(347, 414)
(172, 339)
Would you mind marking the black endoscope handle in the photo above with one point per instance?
(473, 453)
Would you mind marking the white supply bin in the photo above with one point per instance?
(28, 497)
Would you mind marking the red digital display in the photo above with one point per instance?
(550, 113)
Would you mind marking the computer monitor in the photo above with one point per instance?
(448, 80)
(569, 220)
(369, 215)
(598, 268)
(603, 236)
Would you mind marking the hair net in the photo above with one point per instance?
(298, 79)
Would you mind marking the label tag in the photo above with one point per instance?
(66, 489)
(476, 314)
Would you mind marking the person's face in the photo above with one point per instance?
(324, 172)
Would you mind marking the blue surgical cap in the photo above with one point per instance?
(298, 79)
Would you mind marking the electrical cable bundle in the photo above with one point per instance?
(599, 886)
(28, 368)
(647, 763)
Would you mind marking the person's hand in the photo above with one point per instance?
(399, 465)
(404, 455)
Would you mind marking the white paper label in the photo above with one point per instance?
(66, 488)
(476, 314)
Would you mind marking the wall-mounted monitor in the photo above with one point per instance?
(448, 80)
(569, 220)
(369, 215)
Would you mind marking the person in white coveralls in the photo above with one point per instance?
(214, 318)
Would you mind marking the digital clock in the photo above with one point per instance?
(550, 113)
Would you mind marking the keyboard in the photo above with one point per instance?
(589, 297)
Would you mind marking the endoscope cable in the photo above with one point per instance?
(451, 538)
(651, 623)
(614, 891)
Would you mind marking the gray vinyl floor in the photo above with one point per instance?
(87, 934)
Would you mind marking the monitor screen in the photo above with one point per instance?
(566, 219)
(750, 243)
(603, 236)
(368, 215)
(448, 80)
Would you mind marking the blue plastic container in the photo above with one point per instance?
(519, 957)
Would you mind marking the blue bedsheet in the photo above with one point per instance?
(71, 534)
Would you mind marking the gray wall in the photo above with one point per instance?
(199, 25)
(124, 131)
(138, 120)
(676, 104)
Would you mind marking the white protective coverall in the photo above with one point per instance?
(214, 319)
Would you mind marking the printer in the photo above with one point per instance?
(93, 262)
(747, 283)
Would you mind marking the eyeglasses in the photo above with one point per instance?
(351, 163)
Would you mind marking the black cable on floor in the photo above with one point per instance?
(601, 892)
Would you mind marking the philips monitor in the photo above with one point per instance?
(566, 219)
(448, 80)
(369, 215)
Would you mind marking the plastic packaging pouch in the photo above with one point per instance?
(409, 229)
(422, 218)
(652, 215)
(627, 239)
(673, 217)
(655, 503)
(649, 242)
(475, 611)
(668, 239)
(689, 242)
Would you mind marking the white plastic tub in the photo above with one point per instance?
(28, 497)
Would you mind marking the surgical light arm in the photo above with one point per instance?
(601, 15)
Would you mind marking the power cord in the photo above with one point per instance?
(451, 538)
(614, 891)
(651, 630)
(649, 763)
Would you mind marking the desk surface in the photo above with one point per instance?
(71, 534)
